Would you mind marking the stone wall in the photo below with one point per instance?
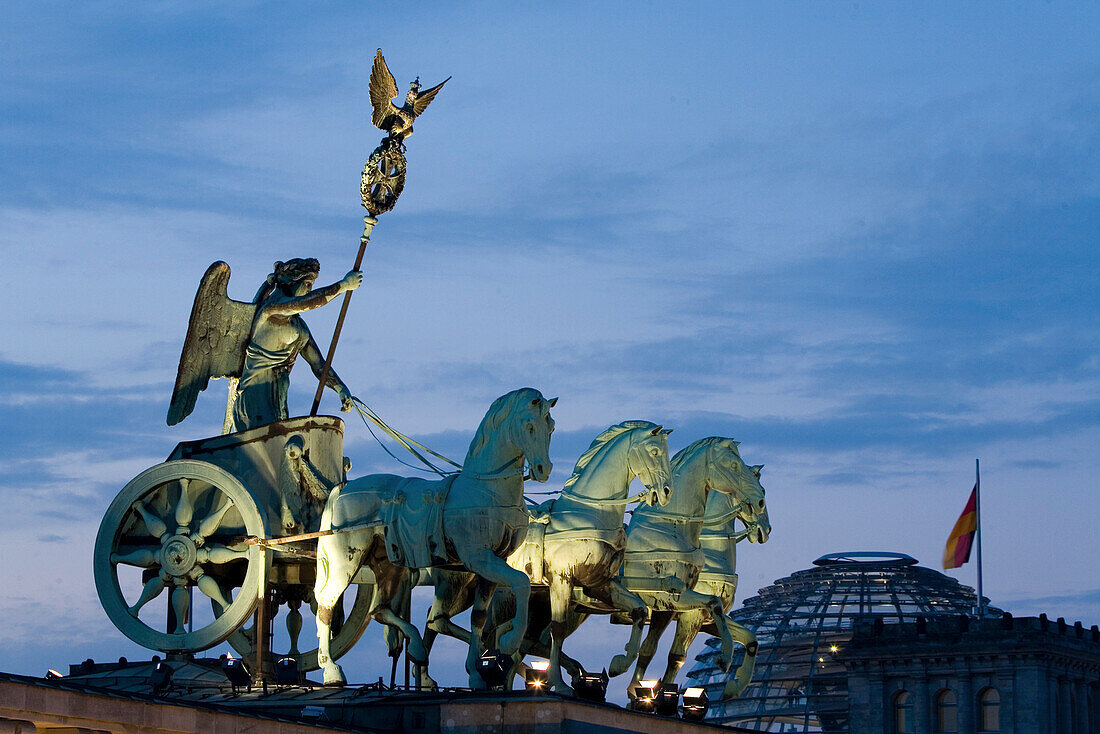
(1045, 674)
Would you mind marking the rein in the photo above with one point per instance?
(603, 503)
(365, 414)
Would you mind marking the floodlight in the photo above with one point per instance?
(236, 672)
(52, 674)
(695, 704)
(537, 676)
(643, 696)
(161, 677)
(591, 686)
(286, 672)
(494, 667)
(668, 700)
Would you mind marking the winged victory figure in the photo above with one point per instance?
(257, 342)
(397, 121)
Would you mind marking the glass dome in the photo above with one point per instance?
(803, 623)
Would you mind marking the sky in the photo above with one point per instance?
(859, 238)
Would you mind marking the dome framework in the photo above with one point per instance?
(803, 623)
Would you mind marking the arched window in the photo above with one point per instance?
(903, 713)
(989, 711)
(947, 712)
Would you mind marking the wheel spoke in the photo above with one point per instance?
(154, 524)
(184, 509)
(212, 589)
(142, 557)
(150, 591)
(181, 600)
(211, 522)
(220, 554)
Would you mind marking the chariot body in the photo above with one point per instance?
(215, 525)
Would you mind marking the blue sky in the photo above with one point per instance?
(859, 238)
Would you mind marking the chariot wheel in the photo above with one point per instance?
(184, 523)
(344, 635)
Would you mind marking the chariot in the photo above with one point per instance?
(220, 518)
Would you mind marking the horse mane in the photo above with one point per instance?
(602, 440)
(692, 451)
(501, 408)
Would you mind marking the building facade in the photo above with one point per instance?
(1010, 676)
(873, 642)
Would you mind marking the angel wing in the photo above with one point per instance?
(423, 99)
(217, 337)
(383, 88)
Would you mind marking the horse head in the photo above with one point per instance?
(518, 421)
(728, 473)
(648, 460)
(529, 428)
(756, 520)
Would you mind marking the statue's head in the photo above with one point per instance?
(296, 276)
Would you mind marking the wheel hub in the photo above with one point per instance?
(178, 555)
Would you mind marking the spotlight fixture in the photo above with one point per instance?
(668, 700)
(161, 677)
(591, 687)
(695, 704)
(286, 672)
(494, 667)
(537, 676)
(52, 674)
(236, 672)
(643, 696)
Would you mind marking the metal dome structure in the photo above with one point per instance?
(803, 622)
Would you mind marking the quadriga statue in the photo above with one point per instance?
(473, 519)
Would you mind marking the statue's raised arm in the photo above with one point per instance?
(257, 342)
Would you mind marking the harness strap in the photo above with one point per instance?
(565, 494)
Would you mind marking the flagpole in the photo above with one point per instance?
(978, 512)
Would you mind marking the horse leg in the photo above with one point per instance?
(625, 600)
(496, 571)
(454, 593)
(561, 594)
(736, 685)
(689, 600)
(478, 614)
(392, 634)
(687, 627)
(392, 581)
(337, 562)
(658, 621)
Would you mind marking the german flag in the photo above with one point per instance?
(957, 551)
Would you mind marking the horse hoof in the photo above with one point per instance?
(733, 689)
(561, 688)
(509, 642)
(334, 675)
(619, 665)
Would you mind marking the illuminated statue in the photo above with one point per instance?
(575, 543)
(665, 555)
(474, 519)
(257, 342)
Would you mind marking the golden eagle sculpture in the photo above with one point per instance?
(397, 121)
